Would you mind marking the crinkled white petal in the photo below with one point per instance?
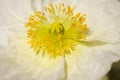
(13, 15)
(86, 63)
(19, 62)
(30, 69)
(103, 19)
(18, 9)
(33, 65)
(9, 71)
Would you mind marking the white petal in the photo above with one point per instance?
(103, 19)
(39, 5)
(18, 9)
(91, 63)
(8, 70)
(12, 16)
(29, 68)
(30, 64)
(89, 66)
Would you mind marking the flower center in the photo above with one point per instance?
(57, 30)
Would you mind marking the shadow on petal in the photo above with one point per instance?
(93, 43)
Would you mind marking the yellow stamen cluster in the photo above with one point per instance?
(56, 31)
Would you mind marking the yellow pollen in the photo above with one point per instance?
(57, 31)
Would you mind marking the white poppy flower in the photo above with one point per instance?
(95, 48)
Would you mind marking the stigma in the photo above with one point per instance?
(57, 30)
